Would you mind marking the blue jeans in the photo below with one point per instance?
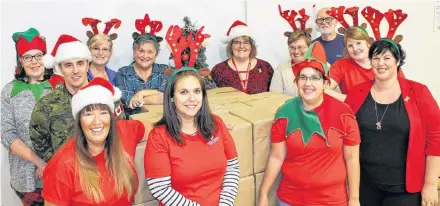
(281, 203)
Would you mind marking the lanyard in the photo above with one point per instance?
(244, 83)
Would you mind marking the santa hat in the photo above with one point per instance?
(97, 91)
(67, 47)
(28, 40)
(237, 29)
(315, 58)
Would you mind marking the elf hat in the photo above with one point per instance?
(237, 29)
(28, 40)
(97, 91)
(315, 58)
(67, 47)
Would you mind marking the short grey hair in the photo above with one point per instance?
(142, 40)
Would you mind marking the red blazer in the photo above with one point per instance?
(424, 134)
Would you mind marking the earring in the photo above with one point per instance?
(172, 99)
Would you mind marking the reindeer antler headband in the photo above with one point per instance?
(394, 18)
(93, 23)
(141, 24)
(338, 14)
(290, 15)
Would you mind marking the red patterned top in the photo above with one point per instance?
(259, 77)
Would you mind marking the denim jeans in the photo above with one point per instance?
(281, 203)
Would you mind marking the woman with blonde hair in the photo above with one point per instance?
(95, 167)
(101, 48)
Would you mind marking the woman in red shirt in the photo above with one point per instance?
(95, 167)
(190, 157)
(315, 144)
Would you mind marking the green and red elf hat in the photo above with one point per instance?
(315, 58)
(290, 17)
(28, 40)
(338, 14)
(93, 23)
(394, 18)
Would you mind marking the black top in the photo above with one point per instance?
(383, 151)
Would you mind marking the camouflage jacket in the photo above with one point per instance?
(52, 122)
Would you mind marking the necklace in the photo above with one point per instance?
(244, 83)
(379, 122)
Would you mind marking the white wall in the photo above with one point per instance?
(53, 18)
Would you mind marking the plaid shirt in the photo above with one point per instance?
(130, 83)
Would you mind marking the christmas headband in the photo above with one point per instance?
(113, 23)
(178, 43)
(394, 18)
(338, 14)
(289, 16)
(181, 70)
(141, 24)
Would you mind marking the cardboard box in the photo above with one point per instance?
(273, 102)
(152, 107)
(151, 203)
(264, 95)
(272, 196)
(241, 132)
(228, 95)
(261, 119)
(143, 194)
(219, 90)
(246, 192)
(149, 118)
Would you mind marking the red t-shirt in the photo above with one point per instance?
(347, 73)
(197, 168)
(61, 182)
(315, 174)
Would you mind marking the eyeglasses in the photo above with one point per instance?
(312, 78)
(327, 20)
(104, 50)
(246, 43)
(28, 58)
(300, 48)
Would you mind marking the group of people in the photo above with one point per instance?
(69, 141)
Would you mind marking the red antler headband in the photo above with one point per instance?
(141, 24)
(113, 23)
(338, 14)
(374, 18)
(289, 16)
(178, 43)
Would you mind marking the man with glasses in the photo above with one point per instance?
(332, 42)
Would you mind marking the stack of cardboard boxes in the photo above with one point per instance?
(249, 120)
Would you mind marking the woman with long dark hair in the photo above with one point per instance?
(95, 166)
(190, 157)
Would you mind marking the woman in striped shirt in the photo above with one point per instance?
(190, 158)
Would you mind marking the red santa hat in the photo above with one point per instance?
(67, 47)
(237, 29)
(97, 91)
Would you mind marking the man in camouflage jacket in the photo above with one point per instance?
(52, 122)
